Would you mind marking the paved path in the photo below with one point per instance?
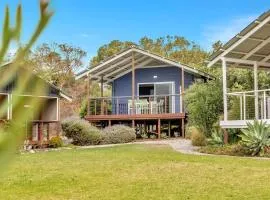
(180, 145)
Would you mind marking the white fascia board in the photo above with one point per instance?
(65, 97)
(110, 60)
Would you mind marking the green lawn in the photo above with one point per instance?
(134, 172)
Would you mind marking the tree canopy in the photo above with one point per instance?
(173, 47)
(56, 63)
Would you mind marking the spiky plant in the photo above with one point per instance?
(256, 137)
(217, 137)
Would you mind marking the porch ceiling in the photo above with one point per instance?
(121, 64)
(251, 45)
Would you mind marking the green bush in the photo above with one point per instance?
(256, 138)
(118, 134)
(153, 136)
(55, 142)
(197, 138)
(231, 150)
(189, 130)
(204, 104)
(163, 136)
(81, 132)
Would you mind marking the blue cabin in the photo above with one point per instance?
(144, 87)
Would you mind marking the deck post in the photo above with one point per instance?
(256, 90)
(226, 136)
(88, 94)
(133, 123)
(183, 127)
(224, 80)
(158, 128)
(133, 84)
(169, 128)
(110, 123)
(182, 89)
(40, 131)
(48, 131)
(145, 128)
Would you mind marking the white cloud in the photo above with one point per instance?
(85, 35)
(225, 31)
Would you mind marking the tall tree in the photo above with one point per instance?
(57, 63)
(174, 47)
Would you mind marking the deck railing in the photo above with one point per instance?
(145, 104)
(249, 105)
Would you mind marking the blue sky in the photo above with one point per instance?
(91, 23)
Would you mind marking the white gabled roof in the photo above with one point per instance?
(120, 64)
(251, 45)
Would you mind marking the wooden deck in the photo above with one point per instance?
(167, 116)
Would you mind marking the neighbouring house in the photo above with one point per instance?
(43, 124)
(147, 92)
(249, 49)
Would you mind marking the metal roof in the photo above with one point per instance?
(120, 64)
(251, 44)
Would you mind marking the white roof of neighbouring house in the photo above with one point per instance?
(120, 64)
(251, 45)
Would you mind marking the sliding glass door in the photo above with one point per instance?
(162, 93)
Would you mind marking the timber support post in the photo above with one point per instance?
(169, 128)
(226, 136)
(48, 131)
(183, 127)
(158, 128)
(88, 94)
(101, 95)
(133, 83)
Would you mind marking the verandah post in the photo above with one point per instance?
(256, 90)
(182, 103)
(88, 94)
(224, 80)
(133, 83)
(101, 95)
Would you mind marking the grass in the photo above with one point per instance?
(134, 172)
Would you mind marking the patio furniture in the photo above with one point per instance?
(161, 106)
(141, 106)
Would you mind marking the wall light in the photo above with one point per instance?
(155, 77)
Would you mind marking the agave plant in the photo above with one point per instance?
(256, 137)
(217, 137)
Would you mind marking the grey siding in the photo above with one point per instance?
(9, 87)
(123, 85)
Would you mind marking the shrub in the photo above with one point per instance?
(189, 130)
(55, 142)
(231, 150)
(198, 138)
(81, 132)
(204, 104)
(153, 136)
(256, 138)
(118, 134)
(163, 136)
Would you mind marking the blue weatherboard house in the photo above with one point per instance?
(146, 92)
